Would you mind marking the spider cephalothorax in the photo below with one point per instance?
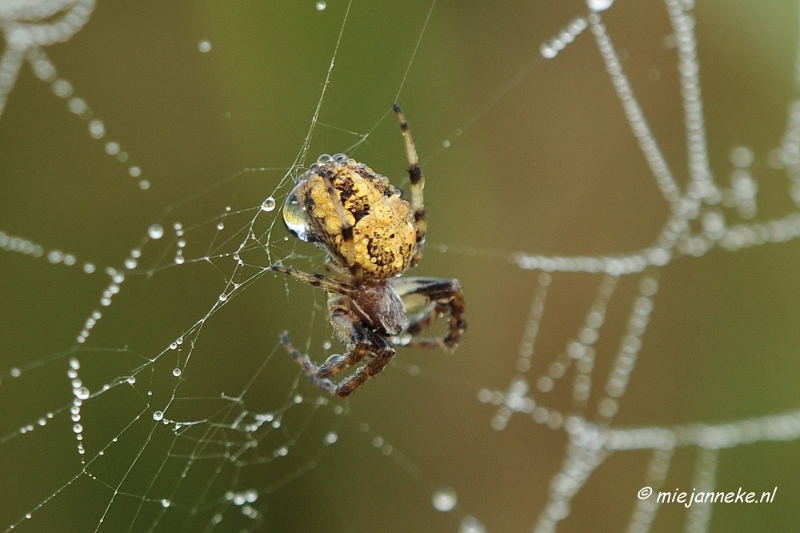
(371, 235)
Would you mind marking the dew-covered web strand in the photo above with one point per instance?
(592, 442)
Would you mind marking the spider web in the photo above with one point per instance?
(147, 152)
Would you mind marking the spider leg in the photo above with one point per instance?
(315, 373)
(381, 353)
(359, 347)
(309, 368)
(436, 296)
(317, 280)
(417, 184)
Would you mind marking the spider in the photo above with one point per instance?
(371, 235)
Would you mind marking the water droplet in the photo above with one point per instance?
(221, 226)
(295, 217)
(321, 5)
(547, 51)
(155, 231)
(599, 5)
(331, 437)
(165, 503)
(77, 428)
(176, 372)
(62, 88)
(15, 372)
(134, 172)
(82, 393)
(742, 157)
(204, 46)
(158, 415)
(268, 205)
(444, 499)
(223, 297)
(323, 159)
(130, 263)
(131, 379)
(88, 268)
(251, 495)
(112, 148)
(96, 129)
(470, 524)
(77, 106)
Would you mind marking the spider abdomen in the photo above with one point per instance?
(383, 234)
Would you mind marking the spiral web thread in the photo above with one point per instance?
(229, 435)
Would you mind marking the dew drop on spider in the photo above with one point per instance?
(334, 359)
(295, 217)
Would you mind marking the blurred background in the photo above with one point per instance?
(217, 107)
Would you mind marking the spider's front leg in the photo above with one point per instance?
(436, 297)
(316, 280)
(417, 185)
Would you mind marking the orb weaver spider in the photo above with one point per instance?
(371, 235)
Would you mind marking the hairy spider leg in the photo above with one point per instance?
(358, 336)
(316, 280)
(441, 295)
(346, 387)
(417, 184)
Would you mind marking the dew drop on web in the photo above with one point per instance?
(444, 499)
(268, 205)
(470, 524)
(156, 231)
(599, 5)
